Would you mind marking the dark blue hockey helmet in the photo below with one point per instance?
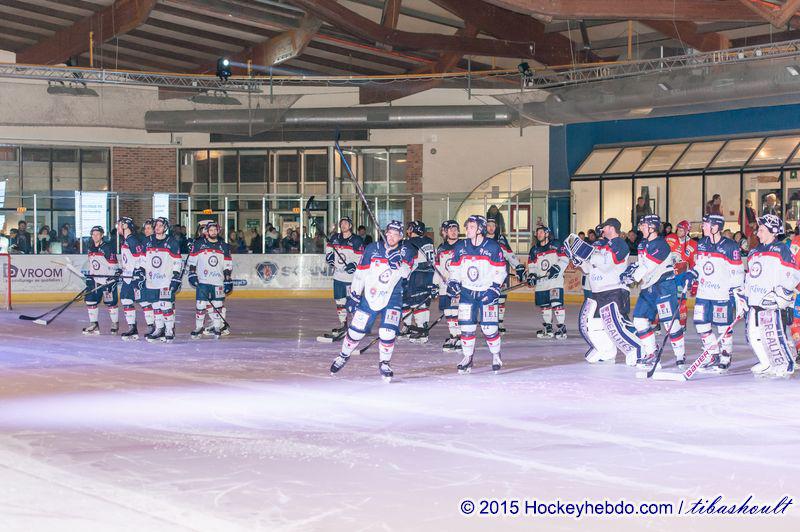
(480, 221)
(151, 222)
(97, 228)
(653, 220)
(772, 222)
(417, 227)
(447, 224)
(346, 219)
(127, 222)
(213, 223)
(395, 225)
(714, 220)
(163, 221)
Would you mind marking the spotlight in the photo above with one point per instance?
(224, 68)
(794, 70)
(664, 87)
(558, 98)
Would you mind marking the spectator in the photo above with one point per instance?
(241, 238)
(591, 236)
(582, 236)
(667, 229)
(180, 236)
(727, 233)
(633, 242)
(495, 213)
(715, 205)
(22, 240)
(272, 240)
(738, 236)
(362, 232)
(642, 208)
(43, 240)
(291, 242)
(69, 246)
(255, 242)
(771, 205)
(750, 221)
(319, 242)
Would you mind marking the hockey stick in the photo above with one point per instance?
(408, 313)
(313, 223)
(692, 369)
(660, 350)
(64, 306)
(358, 188)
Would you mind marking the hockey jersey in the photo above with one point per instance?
(769, 266)
(508, 254)
(130, 254)
(380, 271)
(425, 253)
(102, 261)
(351, 250)
(719, 268)
(444, 259)
(478, 267)
(607, 262)
(684, 251)
(541, 258)
(162, 258)
(656, 263)
(211, 260)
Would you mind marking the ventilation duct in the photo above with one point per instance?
(703, 89)
(249, 122)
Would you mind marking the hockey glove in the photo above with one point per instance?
(780, 297)
(453, 288)
(740, 298)
(350, 267)
(490, 296)
(228, 283)
(353, 300)
(329, 258)
(520, 271)
(193, 276)
(90, 284)
(175, 284)
(692, 275)
(434, 290)
(554, 271)
(138, 278)
(532, 279)
(626, 277)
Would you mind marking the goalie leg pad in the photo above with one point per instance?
(781, 356)
(621, 333)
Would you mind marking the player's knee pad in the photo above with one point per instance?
(126, 302)
(676, 330)
(354, 335)
(642, 325)
(340, 302)
(468, 329)
(386, 335)
(490, 331)
(200, 306)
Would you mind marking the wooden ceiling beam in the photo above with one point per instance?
(390, 14)
(341, 17)
(111, 21)
(686, 32)
(778, 16)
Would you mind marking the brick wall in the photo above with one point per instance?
(143, 171)
(414, 181)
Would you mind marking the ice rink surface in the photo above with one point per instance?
(250, 432)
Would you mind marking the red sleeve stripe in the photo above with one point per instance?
(719, 256)
(777, 256)
(613, 255)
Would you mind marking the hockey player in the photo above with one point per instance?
(511, 260)
(684, 250)
(658, 294)
(448, 305)
(376, 294)
(343, 252)
(131, 254)
(103, 268)
(602, 270)
(794, 248)
(420, 289)
(719, 272)
(478, 270)
(546, 264)
(163, 271)
(210, 266)
(769, 287)
(149, 297)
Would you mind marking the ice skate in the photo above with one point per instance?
(92, 329)
(561, 332)
(197, 334)
(168, 338)
(465, 366)
(338, 363)
(114, 327)
(226, 330)
(131, 335)
(386, 371)
(419, 336)
(680, 362)
(155, 336)
(547, 332)
(711, 365)
(449, 345)
(497, 362)
(336, 334)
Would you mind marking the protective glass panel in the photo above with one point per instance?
(629, 160)
(736, 153)
(585, 205)
(663, 157)
(617, 200)
(698, 155)
(774, 151)
(686, 199)
(654, 193)
(598, 161)
(723, 198)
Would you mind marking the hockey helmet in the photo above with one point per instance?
(653, 220)
(346, 219)
(447, 224)
(685, 225)
(480, 221)
(127, 222)
(416, 227)
(97, 228)
(395, 225)
(772, 222)
(715, 220)
(150, 222)
(164, 222)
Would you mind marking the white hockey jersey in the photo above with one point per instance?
(162, 258)
(769, 266)
(719, 268)
(379, 274)
(477, 268)
(102, 261)
(350, 250)
(606, 264)
(656, 263)
(444, 259)
(543, 257)
(211, 260)
(130, 256)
